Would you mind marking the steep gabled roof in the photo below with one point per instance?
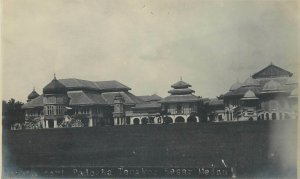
(272, 71)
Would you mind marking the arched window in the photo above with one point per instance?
(136, 121)
(179, 119)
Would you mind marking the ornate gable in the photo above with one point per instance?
(272, 71)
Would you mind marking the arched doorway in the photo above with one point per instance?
(144, 120)
(168, 120)
(179, 119)
(136, 121)
(274, 116)
(191, 119)
(251, 119)
(267, 116)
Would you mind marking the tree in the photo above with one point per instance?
(203, 110)
(12, 113)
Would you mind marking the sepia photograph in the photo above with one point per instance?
(150, 88)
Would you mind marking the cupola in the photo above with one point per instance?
(32, 95)
(55, 87)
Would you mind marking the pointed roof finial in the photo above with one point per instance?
(54, 76)
(180, 78)
(33, 88)
(271, 63)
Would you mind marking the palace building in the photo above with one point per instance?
(269, 94)
(81, 103)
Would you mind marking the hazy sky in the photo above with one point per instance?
(147, 45)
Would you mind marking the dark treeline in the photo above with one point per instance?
(12, 113)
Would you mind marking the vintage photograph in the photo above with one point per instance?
(149, 88)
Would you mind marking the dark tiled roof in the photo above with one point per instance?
(180, 98)
(85, 98)
(181, 91)
(103, 86)
(148, 98)
(34, 103)
(54, 87)
(77, 84)
(181, 84)
(111, 86)
(33, 95)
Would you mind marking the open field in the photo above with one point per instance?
(265, 148)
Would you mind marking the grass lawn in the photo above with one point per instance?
(264, 148)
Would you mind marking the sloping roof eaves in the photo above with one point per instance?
(34, 103)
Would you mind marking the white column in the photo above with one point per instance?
(90, 122)
(47, 125)
(55, 123)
